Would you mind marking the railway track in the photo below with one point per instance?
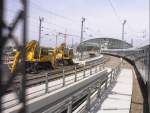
(40, 78)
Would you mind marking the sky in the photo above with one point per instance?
(103, 18)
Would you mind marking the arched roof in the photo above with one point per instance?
(111, 43)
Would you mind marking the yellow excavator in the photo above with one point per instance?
(64, 55)
(35, 58)
(39, 57)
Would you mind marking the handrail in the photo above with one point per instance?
(48, 89)
(98, 86)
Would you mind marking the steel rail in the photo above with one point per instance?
(37, 79)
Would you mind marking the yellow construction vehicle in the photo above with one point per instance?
(42, 58)
(64, 55)
(35, 57)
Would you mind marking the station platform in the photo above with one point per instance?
(117, 98)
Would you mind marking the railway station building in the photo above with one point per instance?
(103, 43)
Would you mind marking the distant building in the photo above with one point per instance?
(103, 43)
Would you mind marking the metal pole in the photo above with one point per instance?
(24, 34)
(81, 40)
(88, 100)
(20, 86)
(69, 107)
(40, 26)
(106, 83)
(90, 70)
(65, 38)
(115, 74)
(123, 33)
(111, 77)
(46, 83)
(99, 92)
(148, 82)
(72, 43)
(99, 48)
(56, 41)
(75, 73)
(116, 71)
(1, 46)
(84, 71)
(63, 76)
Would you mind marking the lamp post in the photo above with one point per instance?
(41, 19)
(124, 22)
(81, 40)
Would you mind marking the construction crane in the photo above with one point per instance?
(65, 36)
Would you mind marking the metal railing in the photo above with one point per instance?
(50, 86)
(96, 90)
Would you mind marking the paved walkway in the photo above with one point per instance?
(118, 99)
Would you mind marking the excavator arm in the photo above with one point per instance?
(15, 62)
(29, 48)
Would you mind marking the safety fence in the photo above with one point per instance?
(81, 102)
(10, 100)
(98, 91)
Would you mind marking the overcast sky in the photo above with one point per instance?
(101, 19)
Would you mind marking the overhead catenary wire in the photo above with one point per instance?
(38, 7)
(35, 20)
(55, 14)
(52, 12)
(114, 10)
(119, 17)
(47, 11)
(90, 30)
